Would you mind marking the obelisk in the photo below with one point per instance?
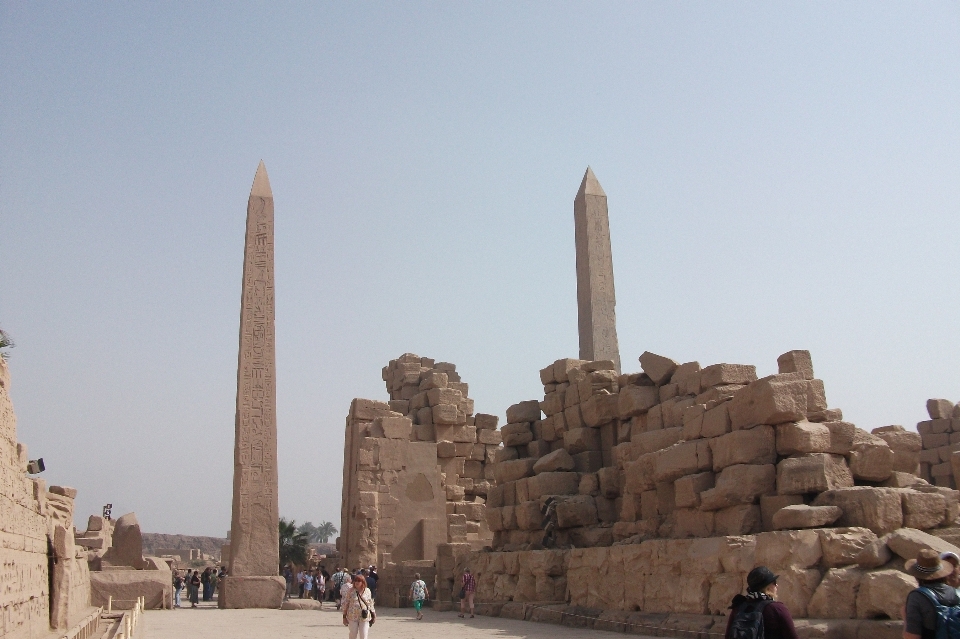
(253, 567)
(596, 301)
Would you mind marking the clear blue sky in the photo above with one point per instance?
(780, 176)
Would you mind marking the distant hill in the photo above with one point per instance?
(207, 545)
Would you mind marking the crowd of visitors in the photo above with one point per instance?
(199, 585)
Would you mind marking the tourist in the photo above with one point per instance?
(204, 581)
(212, 582)
(331, 595)
(954, 578)
(418, 592)
(178, 583)
(320, 587)
(358, 611)
(195, 589)
(288, 577)
(371, 575)
(920, 618)
(307, 591)
(758, 612)
(300, 583)
(339, 578)
(467, 591)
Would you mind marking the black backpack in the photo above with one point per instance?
(748, 620)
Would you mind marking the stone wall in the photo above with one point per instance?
(681, 451)
(941, 438)
(37, 550)
(828, 573)
(415, 468)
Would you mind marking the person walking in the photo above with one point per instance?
(759, 611)
(212, 581)
(339, 579)
(178, 584)
(467, 591)
(320, 584)
(358, 611)
(307, 592)
(418, 593)
(205, 582)
(195, 589)
(933, 576)
(288, 578)
(300, 583)
(371, 575)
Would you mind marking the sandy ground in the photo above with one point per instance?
(209, 622)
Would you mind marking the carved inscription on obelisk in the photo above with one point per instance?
(596, 301)
(254, 536)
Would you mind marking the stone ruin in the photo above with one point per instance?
(639, 502)
(941, 439)
(417, 470)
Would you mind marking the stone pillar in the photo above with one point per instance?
(253, 580)
(596, 300)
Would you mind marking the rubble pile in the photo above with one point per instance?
(680, 451)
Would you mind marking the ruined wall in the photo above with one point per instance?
(941, 439)
(682, 451)
(36, 528)
(415, 468)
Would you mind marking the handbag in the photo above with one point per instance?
(462, 594)
(365, 610)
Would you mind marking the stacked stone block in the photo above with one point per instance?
(681, 450)
(941, 438)
(428, 424)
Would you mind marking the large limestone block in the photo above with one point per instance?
(528, 411)
(559, 459)
(445, 414)
(687, 489)
(801, 516)
(907, 542)
(796, 588)
(871, 459)
(775, 400)
(599, 409)
(842, 546)
(692, 522)
(770, 504)
(678, 460)
(812, 473)
(562, 368)
(512, 470)
(796, 362)
(578, 510)
(940, 408)
(756, 446)
(716, 421)
(442, 395)
(741, 519)
(657, 367)
(898, 438)
(883, 593)
(127, 548)
(610, 480)
(126, 585)
(641, 474)
(553, 483)
(528, 515)
(781, 549)
(739, 484)
(795, 438)
(516, 434)
(579, 440)
(723, 588)
(485, 422)
(878, 509)
(923, 510)
(395, 427)
(836, 596)
(634, 400)
(842, 435)
(489, 437)
(251, 592)
(722, 374)
(654, 440)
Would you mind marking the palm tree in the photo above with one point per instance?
(293, 544)
(310, 531)
(5, 342)
(325, 531)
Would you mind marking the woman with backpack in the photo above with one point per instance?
(758, 613)
(932, 574)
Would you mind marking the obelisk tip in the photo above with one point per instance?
(590, 185)
(261, 183)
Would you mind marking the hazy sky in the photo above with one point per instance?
(780, 176)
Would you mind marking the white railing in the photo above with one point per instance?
(130, 620)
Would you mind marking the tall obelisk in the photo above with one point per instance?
(596, 301)
(253, 580)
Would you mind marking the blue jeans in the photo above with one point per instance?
(176, 597)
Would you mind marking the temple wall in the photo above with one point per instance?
(36, 531)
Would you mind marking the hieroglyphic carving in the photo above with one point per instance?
(254, 536)
(596, 299)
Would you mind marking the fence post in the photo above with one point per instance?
(110, 603)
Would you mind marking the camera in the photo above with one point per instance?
(363, 614)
